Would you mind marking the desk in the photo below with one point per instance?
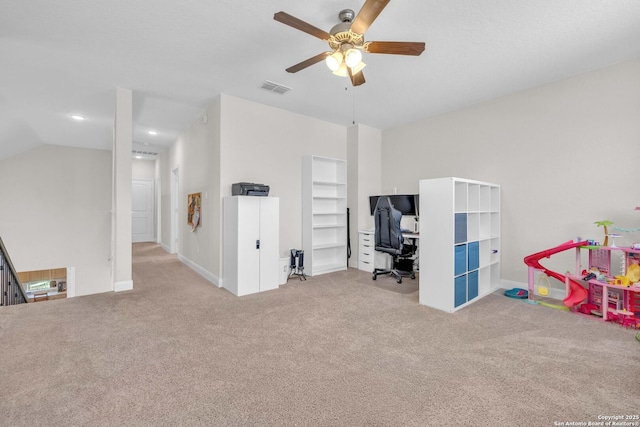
(406, 235)
(369, 258)
(414, 238)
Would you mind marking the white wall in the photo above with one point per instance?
(370, 166)
(169, 160)
(56, 204)
(199, 175)
(143, 169)
(364, 179)
(566, 155)
(241, 141)
(195, 154)
(266, 145)
(121, 253)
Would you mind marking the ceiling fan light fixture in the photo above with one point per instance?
(358, 68)
(352, 57)
(334, 61)
(342, 70)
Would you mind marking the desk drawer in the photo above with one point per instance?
(366, 258)
(368, 239)
(365, 266)
(366, 253)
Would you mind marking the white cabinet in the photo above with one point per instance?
(460, 241)
(324, 214)
(366, 250)
(251, 244)
(368, 257)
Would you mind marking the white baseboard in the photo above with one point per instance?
(165, 247)
(201, 271)
(510, 284)
(124, 285)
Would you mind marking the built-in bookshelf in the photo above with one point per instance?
(324, 214)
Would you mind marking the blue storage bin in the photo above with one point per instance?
(460, 290)
(473, 250)
(460, 260)
(472, 285)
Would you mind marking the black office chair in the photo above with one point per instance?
(388, 239)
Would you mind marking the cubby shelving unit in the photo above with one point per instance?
(324, 214)
(459, 241)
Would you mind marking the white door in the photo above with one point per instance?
(175, 214)
(248, 245)
(269, 243)
(142, 210)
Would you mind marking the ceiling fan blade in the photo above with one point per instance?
(307, 63)
(395, 48)
(299, 24)
(369, 12)
(356, 79)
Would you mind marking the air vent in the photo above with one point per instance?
(275, 87)
(146, 153)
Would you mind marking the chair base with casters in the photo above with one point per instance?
(396, 272)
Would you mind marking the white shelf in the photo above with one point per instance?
(461, 219)
(327, 246)
(328, 268)
(324, 214)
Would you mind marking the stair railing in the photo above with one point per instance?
(11, 289)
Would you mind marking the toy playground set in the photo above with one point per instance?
(594, 291)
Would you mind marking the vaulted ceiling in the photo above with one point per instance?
(63, 57)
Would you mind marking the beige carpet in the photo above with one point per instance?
(334, 350)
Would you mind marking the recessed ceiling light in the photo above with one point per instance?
(153, 132)
(138, 157)
(77, 117)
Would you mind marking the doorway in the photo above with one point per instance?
(142, 210)
(175, 205)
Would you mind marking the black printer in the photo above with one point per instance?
(249, 189)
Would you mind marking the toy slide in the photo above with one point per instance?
(577, 292)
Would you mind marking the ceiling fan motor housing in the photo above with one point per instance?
(342, 38)
(346, 15)
(341, 33)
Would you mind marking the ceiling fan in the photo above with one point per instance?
(346, 41)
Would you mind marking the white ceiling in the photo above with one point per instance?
(59, 57)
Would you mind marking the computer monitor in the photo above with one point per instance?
(407, 204)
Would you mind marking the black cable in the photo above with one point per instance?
(348, 239)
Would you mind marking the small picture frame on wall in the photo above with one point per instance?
(194, 210)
